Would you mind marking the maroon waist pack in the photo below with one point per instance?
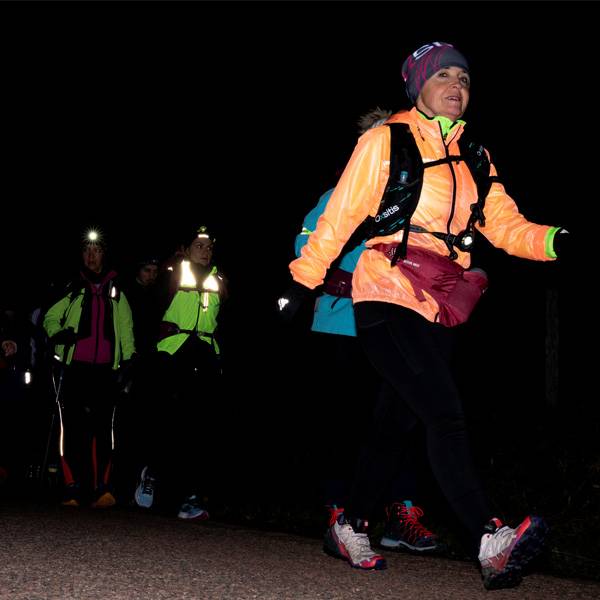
(339, 283)
(455, 289)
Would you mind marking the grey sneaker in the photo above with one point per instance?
(191, 509)
(144, 492)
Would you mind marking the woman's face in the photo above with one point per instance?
(201, 251)
(93, 257)
(445, 93)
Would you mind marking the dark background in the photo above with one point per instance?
(148, 119)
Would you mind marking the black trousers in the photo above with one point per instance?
(86, 412)
(338, 399)
(345, 399)
(187, 433)
(412, 356)
(137, 424)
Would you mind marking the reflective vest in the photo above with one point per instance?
(192, 311)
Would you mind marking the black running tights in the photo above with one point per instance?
(412, 356)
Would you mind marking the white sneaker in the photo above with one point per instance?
(144, 492)
(505, 551)
(343, 542)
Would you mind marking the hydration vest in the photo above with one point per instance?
(403, 190)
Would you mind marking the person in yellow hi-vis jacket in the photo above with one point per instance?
(420, 187)
(91, 330)
(187, 370)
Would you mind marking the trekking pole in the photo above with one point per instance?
(57, 390)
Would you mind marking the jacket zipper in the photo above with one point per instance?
(97, 327)
(453, 207)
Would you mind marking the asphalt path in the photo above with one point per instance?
(81, 554)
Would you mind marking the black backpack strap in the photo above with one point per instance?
(73, 289)
(443, 161)
(402, 191)
(406, 179)
(477, 160)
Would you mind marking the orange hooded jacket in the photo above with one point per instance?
(444, 205)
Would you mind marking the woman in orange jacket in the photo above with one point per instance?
(413, 284)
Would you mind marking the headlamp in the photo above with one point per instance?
(93, 236)
(202, 232)
(464, 241)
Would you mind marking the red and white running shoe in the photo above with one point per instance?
(504, 551)
(351, 543)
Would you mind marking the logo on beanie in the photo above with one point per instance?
(419, 53)
(423, 50)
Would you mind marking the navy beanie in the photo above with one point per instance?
(426, 61)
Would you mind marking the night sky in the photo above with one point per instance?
(148, 119)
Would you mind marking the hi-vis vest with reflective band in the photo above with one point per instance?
(194, 307)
